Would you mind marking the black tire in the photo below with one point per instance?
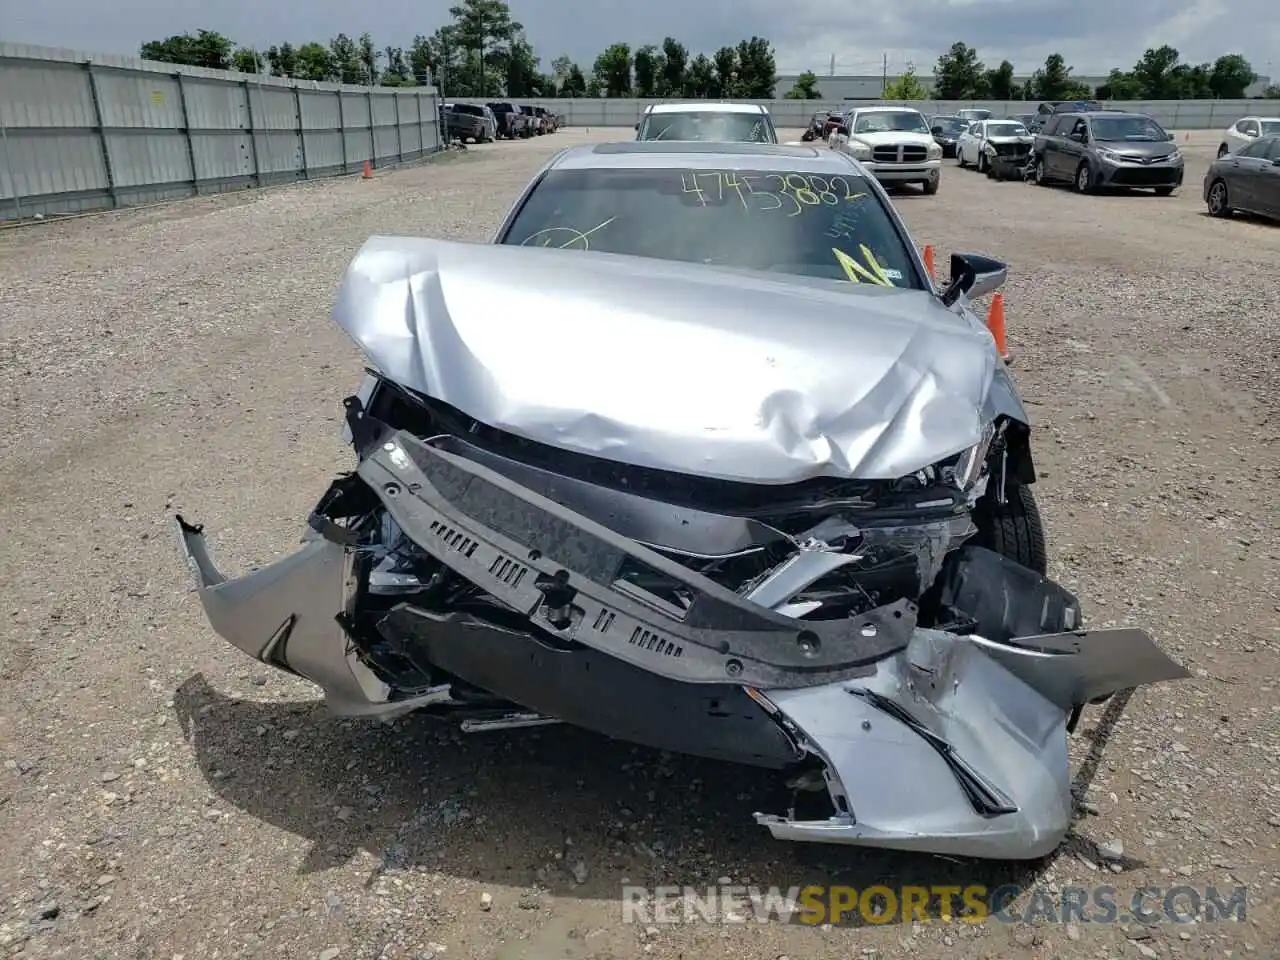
(1084, 178)
(1013, 529)
(1222, 151)
(1040, 178)
(983, 163)
(1164, 191)
(1219, 201)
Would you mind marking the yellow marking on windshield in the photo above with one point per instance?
(550, 235)
(857, 273)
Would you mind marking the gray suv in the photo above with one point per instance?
(1096, 150)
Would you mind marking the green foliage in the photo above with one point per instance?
(906, 87)
(483, 52)
(204, 49)
(805, 87)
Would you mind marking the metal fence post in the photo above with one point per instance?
(342, 130)
(253, 137)
(302, 130)
(422, 134)
(96, 96)
(8, 165)
(399, 131)
(186, 132)
(373, 140)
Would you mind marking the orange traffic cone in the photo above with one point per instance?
(995, 323)
(368, 171)
(928, 262)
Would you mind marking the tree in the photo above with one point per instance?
(398, 72)
(1053, 81)
(805, 87)
(346, 58)
(757, 70)
(248, 61)
(560, 68)
(204, 49)
(725, 80)
(522, 76)
(315, 61)
(484, 28)
(446, 57)
(699, 78)
(1120, 86)
(368, 59)
(959, 75)
(613, 70)
(575, 84)
(283, 60)
(675, 62)
(420, 59)
(999, 82)
(1231, 76)
(1272, 92)
(906, 87)
(1155, 73)
(648, 68)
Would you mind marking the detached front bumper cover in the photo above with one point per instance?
(929, 740)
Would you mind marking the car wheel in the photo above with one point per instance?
(1222, 151)
(1164, 191)
(1084, 178)
(1041, 180)
(982, 163)
(1013, 529)
(931, 185)
(960, 157)
(1218, 203)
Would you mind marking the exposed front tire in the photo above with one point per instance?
(1084, 178)
(983, 163)
(931, 185)
(1013, 529)
(960, 158)
(1039, 175)
(1222, 151)
(1219, 201)
(1164, 191)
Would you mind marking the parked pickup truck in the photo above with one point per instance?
(550, 122)
(469, 121)
(535, 122)
(511, 122)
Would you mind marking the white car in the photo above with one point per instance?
(991, 138)
(707, 120)
(894, 144)
(1246, 131)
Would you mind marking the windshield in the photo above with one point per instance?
(468, 108)
(792, 223)
(1269, 127)
(1006, 129)
(708, 125)
(950, 124)
(1134, 129)
(898, 121)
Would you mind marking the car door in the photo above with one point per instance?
(967, 143)
(1071, 147)
(1243, 171)
(1050, 137)
(1267, 182)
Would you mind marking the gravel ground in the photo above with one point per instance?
(162, 796)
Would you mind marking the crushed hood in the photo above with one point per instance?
(673, 366)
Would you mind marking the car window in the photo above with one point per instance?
(1079, 127)
(895, 121)
(708, 125)
(1270, 127)
(1132, 129)
(1256, 149)
(1005, 128)
(1250, 128)
(1273, 152)
(786, 222)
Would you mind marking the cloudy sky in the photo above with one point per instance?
(805, 33)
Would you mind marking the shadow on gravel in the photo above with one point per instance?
(555, 808)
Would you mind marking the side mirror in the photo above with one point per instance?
(1276, 162)
(974, 275)
(1169, 135)
(637, 126)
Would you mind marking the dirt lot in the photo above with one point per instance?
(162, 796)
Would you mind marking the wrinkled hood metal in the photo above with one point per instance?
(674, 366)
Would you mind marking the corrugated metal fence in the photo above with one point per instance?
(84, 132)
(1174, 114)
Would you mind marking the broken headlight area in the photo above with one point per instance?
(845, 631)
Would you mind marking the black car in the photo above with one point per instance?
(1247, 180)
(1049, 108)
(1100, 149)
(946, 131)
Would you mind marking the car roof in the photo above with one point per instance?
(1257, 117)
(882, 109)
(704, 155)
(705, 106)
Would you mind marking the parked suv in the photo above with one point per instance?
(894, 144)
(1096, 150)
(466, 121)
(511, 122)
(1050, 107)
